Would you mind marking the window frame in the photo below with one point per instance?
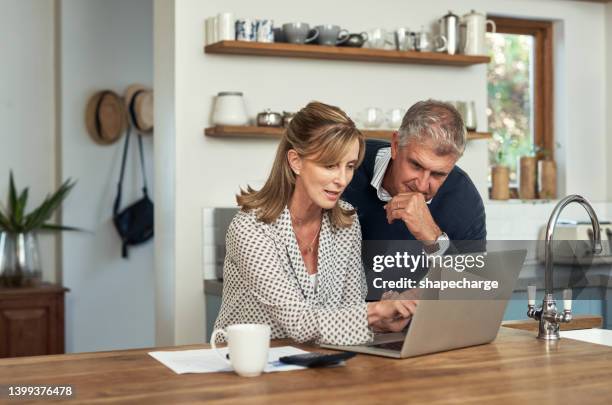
(543, 77)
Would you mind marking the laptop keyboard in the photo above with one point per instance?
(395, 346)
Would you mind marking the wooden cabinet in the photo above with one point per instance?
(32, 321)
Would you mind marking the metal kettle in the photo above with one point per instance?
(449, 28)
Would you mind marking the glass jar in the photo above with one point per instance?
(19, 260)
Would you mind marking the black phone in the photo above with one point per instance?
(315, 359)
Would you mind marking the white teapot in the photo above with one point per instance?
(474, 26)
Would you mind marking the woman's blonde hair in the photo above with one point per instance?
(318, 131)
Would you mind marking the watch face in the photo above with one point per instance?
(432, 248)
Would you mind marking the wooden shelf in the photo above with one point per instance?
(275, 132)
(341, 53)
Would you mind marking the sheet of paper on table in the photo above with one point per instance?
(207, 361)
(597, 336)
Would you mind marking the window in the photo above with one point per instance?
(519, 87)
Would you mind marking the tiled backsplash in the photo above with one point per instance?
(517, 220)
(512, 220)
(215, 222)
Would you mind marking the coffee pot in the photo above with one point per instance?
(449, 28)
(475, 27)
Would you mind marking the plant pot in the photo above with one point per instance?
(500, 179)
(19, 260)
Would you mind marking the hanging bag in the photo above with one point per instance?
(135, 222)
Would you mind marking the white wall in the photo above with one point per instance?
(104, 45)
(608, 112)
(27, 114)
(211, 170)
(165, 174)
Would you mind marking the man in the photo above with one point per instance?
(411, 189)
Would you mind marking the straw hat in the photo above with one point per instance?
(139, 107)
(105, 117)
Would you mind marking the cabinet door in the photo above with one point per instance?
(30, 327)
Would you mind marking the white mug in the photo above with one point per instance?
(225, 27)
(248, 347)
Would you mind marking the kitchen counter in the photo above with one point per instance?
(515, 368)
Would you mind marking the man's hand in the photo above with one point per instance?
(412, 209)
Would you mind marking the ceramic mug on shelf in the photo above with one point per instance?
(246, 30)
(265, 30)
(248, 346)
(225, 27)
(331, 35)
(299, 33)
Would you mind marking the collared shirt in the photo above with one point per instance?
(383, 157)
(381, 163)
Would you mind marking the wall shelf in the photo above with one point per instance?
(341, 53)
(226, 131)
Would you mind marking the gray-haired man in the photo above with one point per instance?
(412, 189)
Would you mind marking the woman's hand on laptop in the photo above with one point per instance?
(391, 315)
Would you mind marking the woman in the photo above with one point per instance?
(293, 256)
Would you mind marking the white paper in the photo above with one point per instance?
(207, 361)
(597, 336)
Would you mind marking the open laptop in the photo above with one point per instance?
(447, 320)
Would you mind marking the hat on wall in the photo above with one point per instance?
(105, 117)
(139, 106)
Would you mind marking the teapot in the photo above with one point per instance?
(474, 27)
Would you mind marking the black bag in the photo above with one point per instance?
(134, 223)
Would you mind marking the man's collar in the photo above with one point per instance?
(381, 163)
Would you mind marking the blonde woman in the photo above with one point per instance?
(293, 256)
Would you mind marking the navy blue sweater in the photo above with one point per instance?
(457, 207)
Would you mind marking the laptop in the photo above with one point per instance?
(447, 320)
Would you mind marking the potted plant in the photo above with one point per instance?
(19, 257)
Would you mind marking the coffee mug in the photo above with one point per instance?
(248, 346)
(331, 35)
(265, 30)
(299, 33)
(246, 30)
(225, 27)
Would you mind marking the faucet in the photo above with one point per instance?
(547, 314)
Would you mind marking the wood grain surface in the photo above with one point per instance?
(231, 131)
(515, 368)
(342, 53)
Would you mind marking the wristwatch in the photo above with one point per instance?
(439, 247)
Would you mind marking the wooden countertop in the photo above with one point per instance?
(515, 368)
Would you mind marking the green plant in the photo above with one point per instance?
(14, 219)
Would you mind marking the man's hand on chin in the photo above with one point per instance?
(412, 209)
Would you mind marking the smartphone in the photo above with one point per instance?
(315, 359)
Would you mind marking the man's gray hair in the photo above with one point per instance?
(436, 121)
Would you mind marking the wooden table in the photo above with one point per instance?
(515, 368)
